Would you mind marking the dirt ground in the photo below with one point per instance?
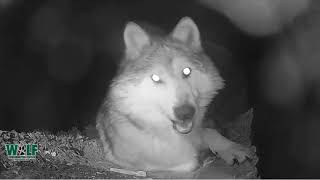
(74, 155)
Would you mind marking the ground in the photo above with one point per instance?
(74, 155)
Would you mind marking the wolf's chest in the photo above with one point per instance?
(167, 150)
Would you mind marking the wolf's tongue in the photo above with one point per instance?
(184, 127)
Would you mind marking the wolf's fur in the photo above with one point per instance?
(136, 121)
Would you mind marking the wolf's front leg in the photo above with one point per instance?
(226, 149)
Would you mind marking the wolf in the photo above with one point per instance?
(153, 113)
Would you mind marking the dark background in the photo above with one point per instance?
(57, 58)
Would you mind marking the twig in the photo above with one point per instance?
(129, 172)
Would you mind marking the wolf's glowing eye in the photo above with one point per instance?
(155, 78)
(186, 71)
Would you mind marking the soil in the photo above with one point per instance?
(74, 155)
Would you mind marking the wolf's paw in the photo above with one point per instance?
(185, 167)
(236, 153)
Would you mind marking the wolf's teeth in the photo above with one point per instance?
(183, 128)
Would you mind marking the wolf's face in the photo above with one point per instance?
(167, 82)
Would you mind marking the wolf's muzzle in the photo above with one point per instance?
(184, 118)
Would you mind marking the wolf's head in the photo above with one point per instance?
(165, 81)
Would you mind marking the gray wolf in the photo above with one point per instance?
(151, 118)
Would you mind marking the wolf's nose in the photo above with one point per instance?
(184, 112)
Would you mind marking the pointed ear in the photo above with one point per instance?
(187, 32)
(135, 39)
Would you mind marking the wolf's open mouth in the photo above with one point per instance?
(183, 127)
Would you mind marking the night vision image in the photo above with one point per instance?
(149, 89)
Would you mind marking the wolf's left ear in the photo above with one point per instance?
(187, 32)
(135, 39)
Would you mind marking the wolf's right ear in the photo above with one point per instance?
(135, 39)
